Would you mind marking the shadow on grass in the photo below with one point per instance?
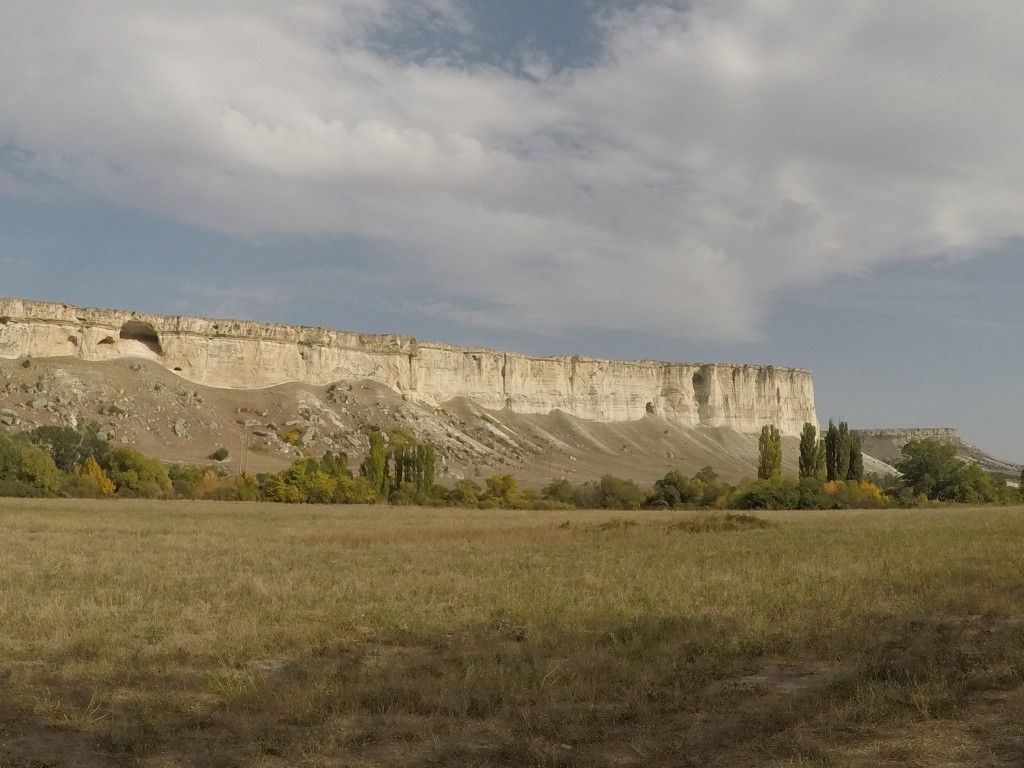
(643, 693)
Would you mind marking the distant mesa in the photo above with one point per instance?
(236, 354)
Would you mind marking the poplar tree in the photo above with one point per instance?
(831, 452)
(856, 458)
(375, 465)
(843, 452)
(808, 450)
(426, 461)
(769, 462)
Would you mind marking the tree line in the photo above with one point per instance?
(401, 470)
(929, 470)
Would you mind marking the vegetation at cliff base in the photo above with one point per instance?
(399, 469)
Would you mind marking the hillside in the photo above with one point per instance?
(885, 444)
(140, 403)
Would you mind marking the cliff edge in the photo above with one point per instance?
(234, 354)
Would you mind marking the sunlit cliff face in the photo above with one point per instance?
(248, 355)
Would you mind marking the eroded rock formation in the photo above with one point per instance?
(249, 355)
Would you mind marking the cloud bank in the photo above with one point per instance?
(713, 158)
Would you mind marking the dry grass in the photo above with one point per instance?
(170, 634)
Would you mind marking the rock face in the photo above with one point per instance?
(237, 354)
(903, 435)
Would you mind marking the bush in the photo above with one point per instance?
(193, 482)
(221, 454)
(25, 470)
(466, 493)
(501, 489)
(676, 490)
(559, 490)
(776, 493)
(135, 475)
(616, 493)
(355, 490)
(855, 494)
(79, 487)
(235, 488)
(405, 495)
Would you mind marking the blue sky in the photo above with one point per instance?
(801, 183)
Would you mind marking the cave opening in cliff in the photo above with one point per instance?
(144, 333)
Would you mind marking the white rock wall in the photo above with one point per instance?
(248, 355)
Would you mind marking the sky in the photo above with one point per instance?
(813, 183)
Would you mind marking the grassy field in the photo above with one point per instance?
(171, 634)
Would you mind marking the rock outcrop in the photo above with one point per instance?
(237, 354)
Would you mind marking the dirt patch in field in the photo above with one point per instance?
(699, 524)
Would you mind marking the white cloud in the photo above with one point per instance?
(711, 160)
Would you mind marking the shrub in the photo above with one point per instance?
(616, 493)
(677, 490)
(502, 491)
(221, 454)
(137, 475)
(25, 470)
(404, 495)
(776, 493)
(236, 488)
(466, 493)
(559, 490)
(355, 490)
(91, 474)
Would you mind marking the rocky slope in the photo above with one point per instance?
(140, 403)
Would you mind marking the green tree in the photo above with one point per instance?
(856, 471)
(135, 474)
(617, 493)
(501, 489)
(808, 451)
(714, 487)
(559, 490)
(375, 465)
(676, 489)
(819, 460)
(26, 470)
(769, 461)
(832, 452)
(843, 452)
(973, 485)
(70, 448)
(426, 467)
(929, 467)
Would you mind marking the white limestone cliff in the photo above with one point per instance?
(248, 355)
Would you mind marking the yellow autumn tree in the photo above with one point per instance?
(206, 484)
(93, 473)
